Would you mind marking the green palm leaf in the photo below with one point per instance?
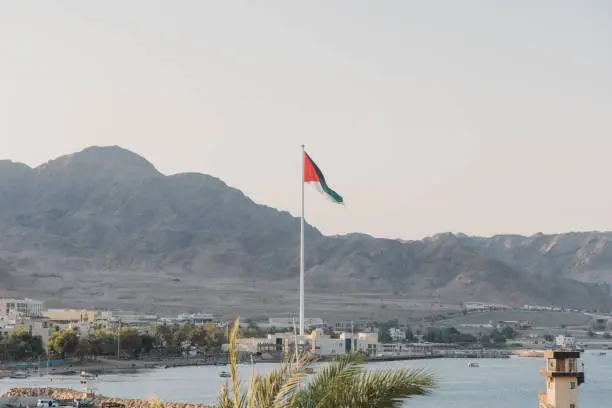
(343, 383)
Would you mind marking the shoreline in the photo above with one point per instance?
(19, 397)
(106, 366)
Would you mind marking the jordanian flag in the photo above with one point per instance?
(314, 175)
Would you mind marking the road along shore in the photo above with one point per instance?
(23, 397)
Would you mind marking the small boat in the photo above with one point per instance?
(473, 364)
(18, 375)
(309, 370)
(224, 374)
(603, 353)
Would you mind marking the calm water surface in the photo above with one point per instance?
(512, 383)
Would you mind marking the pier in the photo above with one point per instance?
(471, 354)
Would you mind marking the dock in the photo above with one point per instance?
(470, 354)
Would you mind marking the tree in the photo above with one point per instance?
(179, 334)
(163, 335)
(102, 343)
(409, 335)
(497, 337)
(509, 333)
(384, 336)
(216, 337)
(131, 342)
(22, 345)
(343, 383)
(591, 334)
(83, 349)
(147, 342)
(63, 343)
(549, 337)
(253, 331)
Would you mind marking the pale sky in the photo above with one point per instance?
(482, 117)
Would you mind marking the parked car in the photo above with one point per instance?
(47, 403)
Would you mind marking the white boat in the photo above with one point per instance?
(473, 364)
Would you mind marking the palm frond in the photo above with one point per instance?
(343, 383)
(388, 388)
(327, 386)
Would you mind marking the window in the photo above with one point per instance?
(572, 385)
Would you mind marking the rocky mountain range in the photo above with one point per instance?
(104, 228)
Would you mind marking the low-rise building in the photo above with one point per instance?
(36, 327)
(325, 346)
(71, 316)
(397, 334)
(317, 343)
(21, 307)
(199, 319)
(565, 342)
(483, 307)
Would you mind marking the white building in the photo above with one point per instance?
(21, 307)
(565, 342)
(324, 345)
(316, 343)
(483, 307)
(397, 334)
(251, 345)
(199, 319)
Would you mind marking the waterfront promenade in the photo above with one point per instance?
(112, 366)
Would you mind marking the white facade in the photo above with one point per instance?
(397, 334)
(483, 307)
(325, 346)
(249, 345)
(565, 341)
(199, 319)
(21, 307)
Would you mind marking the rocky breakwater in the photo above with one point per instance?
(20, 397)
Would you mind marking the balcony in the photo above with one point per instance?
(579, 375)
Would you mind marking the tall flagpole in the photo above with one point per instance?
(302, 251)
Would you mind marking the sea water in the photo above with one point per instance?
(502, 383)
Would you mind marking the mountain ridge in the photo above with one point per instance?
(104, 228)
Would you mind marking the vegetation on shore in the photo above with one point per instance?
(20, 345)
(162, 340)
(343, 383)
